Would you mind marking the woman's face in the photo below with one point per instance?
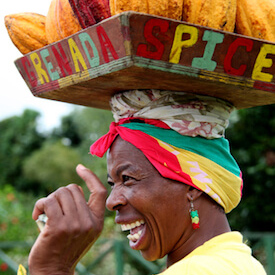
(154, 209)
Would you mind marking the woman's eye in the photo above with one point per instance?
(126, 178)
(111, 183)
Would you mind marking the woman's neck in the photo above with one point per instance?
(212, 223)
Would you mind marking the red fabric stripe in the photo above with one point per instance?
(165, 162)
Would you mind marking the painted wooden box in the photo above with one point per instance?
(139, 51)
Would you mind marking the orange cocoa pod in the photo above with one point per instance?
(256, 18)
(118, 6)
(27, 31)
(175, 8)
(165, 8)
(60, 21)
(216, 14)
(158, 7)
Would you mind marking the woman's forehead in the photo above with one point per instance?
(123, 153)
(122, 147)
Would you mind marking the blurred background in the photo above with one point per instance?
(42, 141)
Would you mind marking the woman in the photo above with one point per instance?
(173, 179)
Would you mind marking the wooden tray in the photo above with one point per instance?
(139, 51)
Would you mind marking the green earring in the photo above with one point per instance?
(194, 216)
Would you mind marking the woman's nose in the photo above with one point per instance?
(116, 199)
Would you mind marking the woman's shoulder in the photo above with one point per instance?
(209, 265)
(226, 255)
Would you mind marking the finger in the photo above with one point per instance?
(66, 201)
(98, 195)
(81, 190)
(79, 199)
(50, 206)
(38, 208)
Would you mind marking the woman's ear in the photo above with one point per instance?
(193, 193)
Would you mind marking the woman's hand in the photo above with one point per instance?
(73, 226)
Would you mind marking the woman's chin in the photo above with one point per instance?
(149, 256)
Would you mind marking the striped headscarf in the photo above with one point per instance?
(182, 135)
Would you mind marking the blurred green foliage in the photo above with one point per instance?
(252, 139)
(52, 166)
(15, 215)
(19, 139)
(80, 129)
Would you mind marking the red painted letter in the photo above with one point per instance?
(105, 43)
(142, 49)
(240, 41)
(62, 61)
(31, 75)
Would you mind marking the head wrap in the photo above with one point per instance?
(188, 114)
(187, 146)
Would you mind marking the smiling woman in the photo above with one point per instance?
(172, 180)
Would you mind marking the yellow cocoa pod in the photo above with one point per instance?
(112, 4)
(175, 8)
(216, 14)
(256, 18)
(118, 6)
(166, 8)
(158, 7)
(60, 21)
(27, 31)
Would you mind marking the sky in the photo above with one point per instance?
(15, 95)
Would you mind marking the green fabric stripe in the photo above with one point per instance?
(216, 150)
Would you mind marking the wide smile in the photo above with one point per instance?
(135, 228)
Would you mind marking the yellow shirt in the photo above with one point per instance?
(225, 254)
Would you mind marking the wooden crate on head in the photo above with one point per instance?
(139, 51)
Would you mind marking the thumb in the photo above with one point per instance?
(98, 195)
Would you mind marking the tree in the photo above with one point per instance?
(252, 139)
(51, 167)
(81, 128)
(19, 138)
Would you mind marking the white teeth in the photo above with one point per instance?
(134, 237)
(130, 237)
(128, 226)
(125, 227)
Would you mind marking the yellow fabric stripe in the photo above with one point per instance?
(220, 184)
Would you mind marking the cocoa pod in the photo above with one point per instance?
(117, 7)
(175, 9)
(61, 21)
(166, 8)
(27, 31)
(217, 14)
(90, 12)
(100, 9)
(256, 18)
